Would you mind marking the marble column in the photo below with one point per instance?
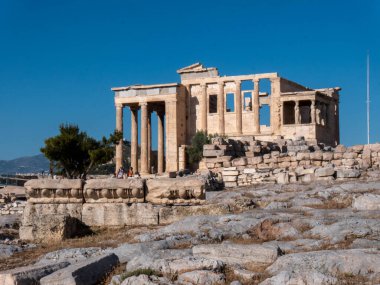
(312, 111)
(149, 120)
(238, 107)
(297, 113)
(256, 106)
(160, 144)
(134, 139)
(144, 138)
(221, 107)
(119, 146)
(203, 107)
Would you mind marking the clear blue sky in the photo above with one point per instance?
(59, 58)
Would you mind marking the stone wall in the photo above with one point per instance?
(248, 161)
(58, 209)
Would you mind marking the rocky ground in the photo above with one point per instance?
(320, 233)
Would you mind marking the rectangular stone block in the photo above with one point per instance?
(303, 156)
(88, 272)
(230, 178)
(350, 155)
(348, 162)
(29, 274)
(229, 168)
(217, 159)
(213, 153)
(317, 155)
(230, 173)
(257, 160)
(209, 147)
(241, 161)
(119, 214)
(327, 156)
(249, 170)
(230, 184)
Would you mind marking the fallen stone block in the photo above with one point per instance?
(182, 190)
(348, 173)
(324, 171)
(88, 272)
(52, 228)
(29, 274)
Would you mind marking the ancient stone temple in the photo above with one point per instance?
(232, 106)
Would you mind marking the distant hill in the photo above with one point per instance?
(26, 164)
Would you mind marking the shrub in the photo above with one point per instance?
(195, 151)
(137, 272)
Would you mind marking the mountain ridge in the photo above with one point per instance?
(26, 164)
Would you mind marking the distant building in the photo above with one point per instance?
(224, 105)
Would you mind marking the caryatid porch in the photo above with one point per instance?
(166, 101)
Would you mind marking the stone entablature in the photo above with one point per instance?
(200, 102)
(54, 190)
(161, 191)
(177, 191)
(131, 190)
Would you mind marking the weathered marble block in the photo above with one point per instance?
(183, 190)
(119, 214)
(54, 191)
(112, 190)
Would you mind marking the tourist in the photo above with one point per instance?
(120, 173)
(130, 172)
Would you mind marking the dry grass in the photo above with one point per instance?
(334, 204)
(350, 279)
(260, 277)
(109, 237)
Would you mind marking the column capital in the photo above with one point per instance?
(119, 105)
(221, 83)
(256, 80)
(238, 81)
(143, 104)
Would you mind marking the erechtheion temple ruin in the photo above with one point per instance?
(204, 100)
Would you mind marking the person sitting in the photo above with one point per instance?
(130, 172)
(120, 173)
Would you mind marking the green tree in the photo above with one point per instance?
(195, 151)
(75, 153)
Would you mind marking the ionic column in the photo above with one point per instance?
(160, 145)
(119, 146)
(297, 113)
(256, 106)
(221, 107)
(203, 107)
(149, 127)
(134, 139)
(312, 111)
(144, 138)
(238, 107)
